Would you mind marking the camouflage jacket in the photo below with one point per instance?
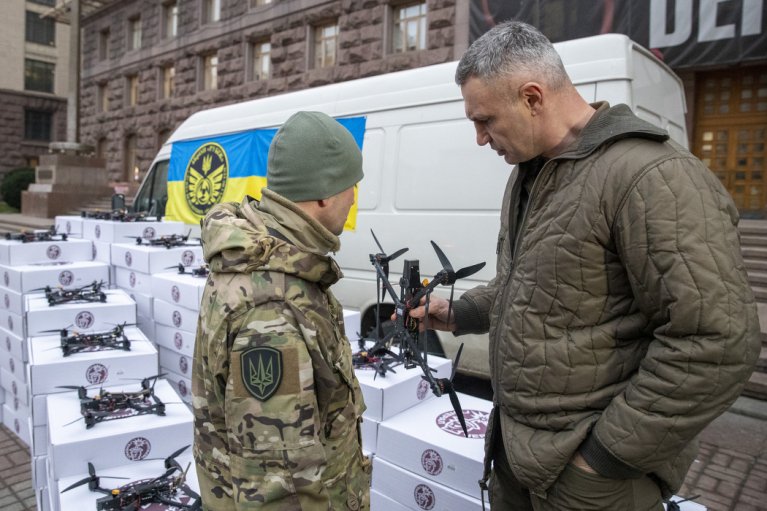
(277, 406)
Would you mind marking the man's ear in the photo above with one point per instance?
(531, 94)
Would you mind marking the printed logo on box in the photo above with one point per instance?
(13, 366)
(8, 342)
(148, 233)
(16, 403)
(14, 388)
(66, 278)
(84, 320)
(128, 259)
(178, 340)
(10, 323)
(132, 279)
(53, 252)
(98, 231)
(6, 278)
(431, 461)
(176, 319)
(16, 426)
(7, 301)
(182, 388)
(69, 227)
(96, 373)
(187, 258)
(94, 250)
(476, 423)
(137, 448)
(422, 390)
(183, 364)
(175, 293)
(424, 497)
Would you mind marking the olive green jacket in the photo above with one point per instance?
(620, 318)
(277, 406)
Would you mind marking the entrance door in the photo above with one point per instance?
(731, 123)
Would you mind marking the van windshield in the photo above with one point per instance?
(153, 193)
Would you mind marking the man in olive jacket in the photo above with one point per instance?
(620, 319)
(276, 404)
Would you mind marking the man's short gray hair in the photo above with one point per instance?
(512, 47)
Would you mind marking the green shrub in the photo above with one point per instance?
(15, 182)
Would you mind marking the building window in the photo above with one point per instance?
(409, 28)
(260, 60)
(131, 90)
(168, 79)
(31, 161)
(102, 98)
(134, 33)
(37, 125)
(104, 44)
(40, 30)
(211, 11)
(209, 72)
(259, 3)
(170, 20)
(325, 45)
(38, 75)
(131, 165)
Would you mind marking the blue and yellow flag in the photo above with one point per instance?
(207, 171)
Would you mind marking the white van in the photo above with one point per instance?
(425, 177)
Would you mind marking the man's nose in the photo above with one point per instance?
(483, 137)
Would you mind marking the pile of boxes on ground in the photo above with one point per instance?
(421, 458)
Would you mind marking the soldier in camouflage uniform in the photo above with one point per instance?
(277, 405)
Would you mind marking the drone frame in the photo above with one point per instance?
(50, 234)
(89, 293)
(166, 240)
(114, 339)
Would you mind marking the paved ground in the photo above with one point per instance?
(729, 475)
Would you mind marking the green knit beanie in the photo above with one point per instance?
(312, 157)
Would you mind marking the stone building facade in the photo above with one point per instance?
(129, 46)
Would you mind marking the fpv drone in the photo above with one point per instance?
(378, 357)
(201, 271)
(167, 240)
(406, 332)
(40, 235)
(106, 406)
(89, 293)
(73, 342)
(117, 215)
(170, 489)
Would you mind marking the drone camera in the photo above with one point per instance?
(411, 274)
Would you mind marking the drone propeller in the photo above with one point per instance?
(69, 387)
(92, 478)
(452, 276)
(446, 387)
(384, 260)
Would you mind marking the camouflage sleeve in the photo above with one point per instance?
(276, 458)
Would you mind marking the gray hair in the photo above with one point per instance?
(512, 47)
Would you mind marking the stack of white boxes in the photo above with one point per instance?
(176, 309)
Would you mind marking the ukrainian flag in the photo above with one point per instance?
(207, 171)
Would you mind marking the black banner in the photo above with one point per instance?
(683, 33)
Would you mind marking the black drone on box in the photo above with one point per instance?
(73, 342)
(118, 215)
(201, 271)
(170, 489)
(39, 235)
(166, 240)
(106, 406)
(406, 331)
(89, 293)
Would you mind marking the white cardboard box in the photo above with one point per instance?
(133, 281)
(166, 313)
(16, 368)
(180, 341)
(12, 301)
(119, 308)
(15, 253)
(417, 492)
(40, 410)
(175, 362)
(183, 386)
(116, 442)
(428, 441)
(369, 434)
(386, 396)
(147, 325)
(39, 439)
(40, 472)
(123, 232)
(18, 424)
(34, 277)
(153, 259)
(12, 322)
(143, 303)
(102, 251)
(352, 324)
(71, 225)
(182, 290)
(14, 387)
(380, 502)
(49, 368)
(13, 344)
(81, 498)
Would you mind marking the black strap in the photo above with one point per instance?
(277, 234)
